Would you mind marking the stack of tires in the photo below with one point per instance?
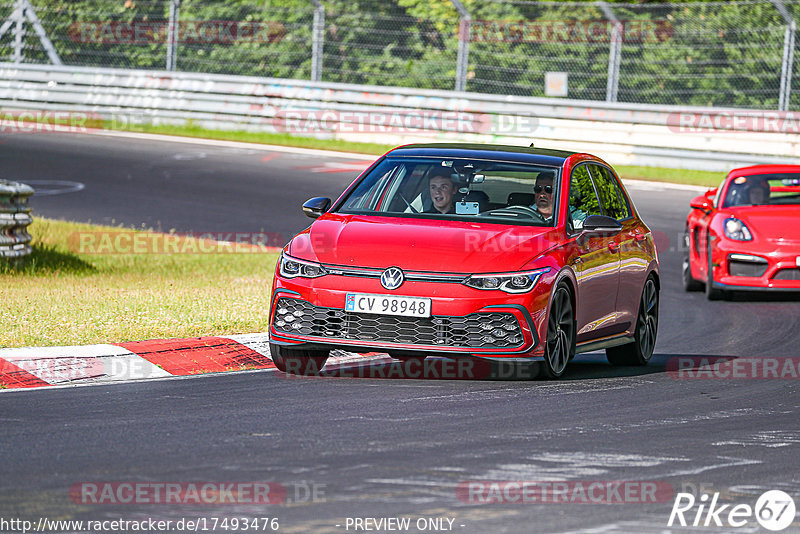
(15, 216)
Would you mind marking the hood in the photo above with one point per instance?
(773, 223)
(420, 244)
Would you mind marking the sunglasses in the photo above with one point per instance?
(547, 189)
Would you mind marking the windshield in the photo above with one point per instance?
(764, 189)
(460, 189)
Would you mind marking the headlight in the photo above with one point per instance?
(521, 282)
(736, 230)
(293, 268)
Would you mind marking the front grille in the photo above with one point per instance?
(747, 268)
(478, 330)
(787, 274)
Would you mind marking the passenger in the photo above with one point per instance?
(443, 191)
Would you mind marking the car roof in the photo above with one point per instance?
(763, 169)
(520, 154)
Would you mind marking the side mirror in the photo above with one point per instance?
(601, 225)
(314, 207)
(701, 202)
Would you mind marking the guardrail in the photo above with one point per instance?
(15, 216)
(632, 134)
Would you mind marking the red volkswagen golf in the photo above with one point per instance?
(477, 251)
(745, 234)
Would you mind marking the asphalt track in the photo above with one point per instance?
(379, 447)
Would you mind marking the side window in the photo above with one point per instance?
(611, 197)
(582, 198)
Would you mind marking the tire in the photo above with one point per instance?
(689, 283)
(298, 361)
(561, 334)
(712, 293)
(641, 349)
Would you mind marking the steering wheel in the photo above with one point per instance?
(516, 211)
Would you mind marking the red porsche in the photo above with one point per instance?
(745, 234)
(470, 251)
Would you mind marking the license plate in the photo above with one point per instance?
(797, 260)
(388, 305)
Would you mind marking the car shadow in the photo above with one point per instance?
(763, 296)
(590, 366)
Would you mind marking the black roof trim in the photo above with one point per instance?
(564, 154)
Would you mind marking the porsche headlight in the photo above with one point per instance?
(294, 268)
(737, 230)
(520, 282)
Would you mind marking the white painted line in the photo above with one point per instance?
(648, 185)
(327, 153)
(231, 144)
(87, 363)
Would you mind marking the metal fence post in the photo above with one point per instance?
(614, 53)
(317, 40)
(172, 33)
(462, 61)
(19, 31)
(788, 56)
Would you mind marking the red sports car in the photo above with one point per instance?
(745, 234)
(478, 251)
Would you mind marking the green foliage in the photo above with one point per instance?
(704, 53)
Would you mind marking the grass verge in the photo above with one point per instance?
(62, 296)
(658, 174)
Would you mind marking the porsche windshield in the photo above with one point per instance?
(764, 189)
(499, 192)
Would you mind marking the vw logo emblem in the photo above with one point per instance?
(392, 278)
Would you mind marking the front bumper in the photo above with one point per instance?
(756, 267)
(461, 322)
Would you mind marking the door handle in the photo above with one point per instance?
(613, 247)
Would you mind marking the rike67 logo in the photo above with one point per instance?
(774, 510)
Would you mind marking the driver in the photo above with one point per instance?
(758, 193)
(442, 190)
(543, 191)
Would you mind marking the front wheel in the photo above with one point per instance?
(641, 350)
(712, 293)
(689, 283)
(298, 361)
(560, 345)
